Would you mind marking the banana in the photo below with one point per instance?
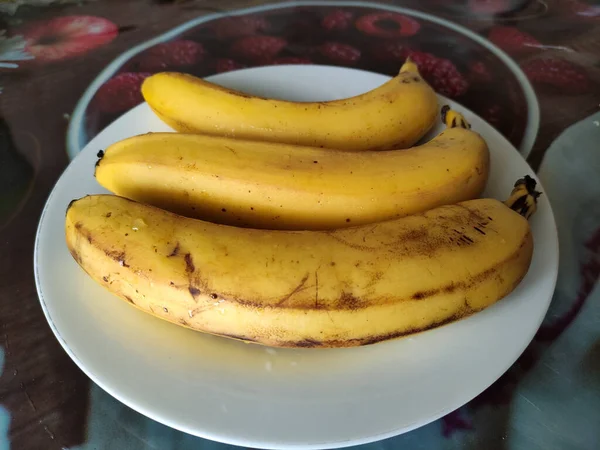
(395, 115)
(279, 186)
(336, 288)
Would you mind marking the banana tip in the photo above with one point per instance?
(100, 155)
(409, 66)
(530, 184)
(69, 205)
(454, 119)
(523, 198)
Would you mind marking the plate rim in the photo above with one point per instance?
(273, 444)
(74, 136)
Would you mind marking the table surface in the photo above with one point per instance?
(50, 53)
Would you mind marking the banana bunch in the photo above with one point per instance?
(264, 226)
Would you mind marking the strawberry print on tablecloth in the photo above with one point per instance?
(65, 37)
(554, 41)
(363, 38)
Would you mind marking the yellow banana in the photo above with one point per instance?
(279, 186)
(340, 288)
(395, 115)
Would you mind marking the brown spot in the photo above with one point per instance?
(172, 284)
(375, 277)
(189, 263)
(485, 274)
(78, 225)
(129, 299)
(490, 218)
(223, 210)
(117, 256)
(450, 288)
(414, 235)
(75, 254)
(349, 301)
(308, 343)
(466, 305)
(165, 309)
(184, 322)
(108, 215)
(175, 251)
(89, 238)
(237, 337)
(463, 313)
(332, 264)
(347, 220)
(294, 291)
(479, 230)
(316, 289)
(424, 294)
(194, 291)
(105, 279)
(214, 296)
(247, 303)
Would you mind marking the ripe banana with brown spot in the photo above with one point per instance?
(279, 186)
(394, 115)
(337, 288)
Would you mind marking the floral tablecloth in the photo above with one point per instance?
(69, 68)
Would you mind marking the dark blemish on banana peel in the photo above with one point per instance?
(175, 251)
(479, 230)
(189, 263)
(100, 155)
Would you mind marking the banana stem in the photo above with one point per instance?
(523, 198)
(100, 155)
(454, 119)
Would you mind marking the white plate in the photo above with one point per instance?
(257, 397)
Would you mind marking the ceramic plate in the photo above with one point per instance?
(363, 35)
(260, 397)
